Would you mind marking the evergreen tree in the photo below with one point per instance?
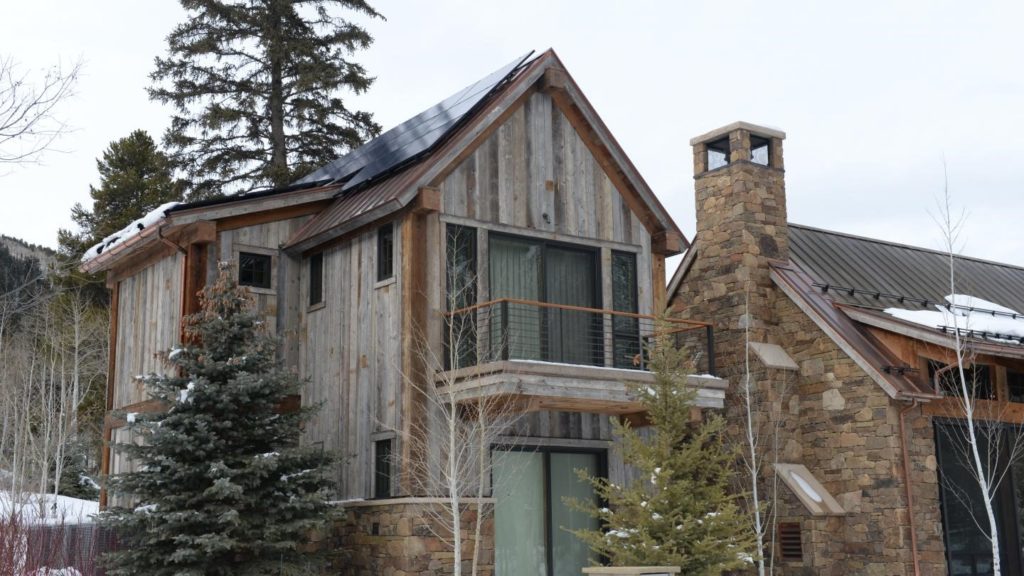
(684, 512)
(135, 178)
(221, 485)
(256, 87)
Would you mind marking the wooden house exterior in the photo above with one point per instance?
(850, 347)
(561, 247)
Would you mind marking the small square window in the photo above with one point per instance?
(385, 251)
(254, 270)
(718, 153)
(382, 468)
(316, 278)
(760, 150)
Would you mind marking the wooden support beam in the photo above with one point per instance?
(414, 323)
(554, 80)
(283, 213)
(427, 200)
(658, 288)
(667, 242)
(115, 298)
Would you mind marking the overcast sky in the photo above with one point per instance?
(874, 96)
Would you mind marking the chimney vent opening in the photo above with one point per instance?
(760, 150)
(718, 153)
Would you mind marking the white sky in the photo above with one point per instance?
(872, 95)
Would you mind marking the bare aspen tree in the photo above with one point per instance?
(29, 124)
(458, 430)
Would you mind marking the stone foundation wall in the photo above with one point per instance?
(400, 538)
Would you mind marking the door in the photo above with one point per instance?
(532, 522)
(573, 336)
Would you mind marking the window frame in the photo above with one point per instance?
(263, 253)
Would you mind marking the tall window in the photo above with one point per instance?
(386, 251)
(254, 270)
(382, 450)
(461, 293)
(316, 278)
(625, 330)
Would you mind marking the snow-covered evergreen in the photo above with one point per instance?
(222, 484)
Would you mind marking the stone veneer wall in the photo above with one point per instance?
(399, 539)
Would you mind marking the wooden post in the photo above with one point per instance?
(414, 326)
(115, 297)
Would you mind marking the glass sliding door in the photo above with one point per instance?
(532, 523)
(574, 337)
(539, 271)
(515, 265)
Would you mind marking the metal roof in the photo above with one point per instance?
(881, 272)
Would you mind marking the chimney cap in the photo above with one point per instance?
(740, 125)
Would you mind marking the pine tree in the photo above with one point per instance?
(221, 485)
(256, 86)
(684, 512)
(135, 178)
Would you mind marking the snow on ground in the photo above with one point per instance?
(129, 231)
(968, 313)
(48, 509)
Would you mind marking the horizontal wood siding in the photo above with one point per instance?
(148, 323)
(349, 350)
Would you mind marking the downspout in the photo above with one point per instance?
(907, 483)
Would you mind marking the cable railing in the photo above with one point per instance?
(515, 329)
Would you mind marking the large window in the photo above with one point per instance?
(532, 271)
(625, 330)
(964, 520)
(531, 518)
(460, 286)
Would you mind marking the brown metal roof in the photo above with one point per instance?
(883, 271)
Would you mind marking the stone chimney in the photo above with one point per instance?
(741, 220)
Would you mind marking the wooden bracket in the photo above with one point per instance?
(667, 242)
(553, 80)
(427, 200)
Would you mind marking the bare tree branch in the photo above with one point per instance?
(29, 124)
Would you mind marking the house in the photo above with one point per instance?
(509, 207)
(850, 343)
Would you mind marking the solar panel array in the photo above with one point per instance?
(412, 137)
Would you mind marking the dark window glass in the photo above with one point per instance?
(316, 278)
(1015, 383)
(718, 153)
(461, 287)
(382, 468)
(254, 270)
(978, 378)
(760, 151)
(385, 251)
(625, 330)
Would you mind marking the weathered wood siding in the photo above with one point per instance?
(148, 323)
(350, 352)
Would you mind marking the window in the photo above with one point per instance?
(461, 285)
(316, 278)
(625, 330)
(531, 517)
(254, 270)
(760, 150)
(718, 153)
(382, 468)
(1015, 386)
(978, 377)
(386, 251)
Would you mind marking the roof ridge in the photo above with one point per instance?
(902, 245)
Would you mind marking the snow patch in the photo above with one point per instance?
(48, 509)
(130, 231)
(969, 314)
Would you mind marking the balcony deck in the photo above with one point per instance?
(545, 356)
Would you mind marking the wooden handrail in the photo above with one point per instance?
(694, 323)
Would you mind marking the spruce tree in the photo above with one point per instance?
(257, 85)
(682, 512)
(221, 484)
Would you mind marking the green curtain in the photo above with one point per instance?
(515, 266)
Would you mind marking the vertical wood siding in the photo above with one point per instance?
(350, 352)
(149, 323)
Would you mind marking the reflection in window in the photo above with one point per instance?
(625, 330)
(254, 270)
(978, 378)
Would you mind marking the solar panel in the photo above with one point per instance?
(412, 137)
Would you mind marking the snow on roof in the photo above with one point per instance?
(129, 231)
(48, 509)
(970, 315)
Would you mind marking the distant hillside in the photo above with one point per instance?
(21, 249)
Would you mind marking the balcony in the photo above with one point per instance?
(548, 356)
